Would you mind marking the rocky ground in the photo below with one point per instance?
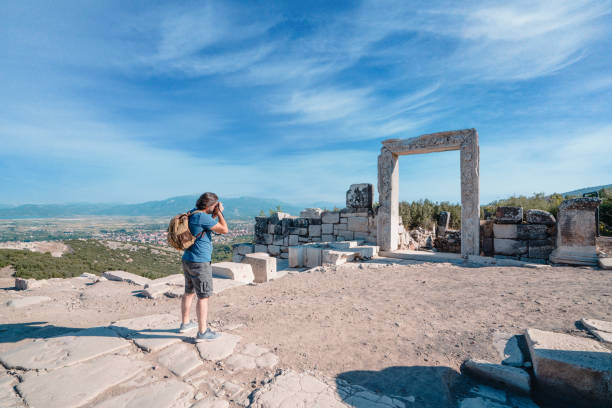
(377, 334)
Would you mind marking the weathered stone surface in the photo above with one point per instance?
(314, 230)
(360, 196)
(531, 231)
(167, 394)
(327, 238)
(27, 301)
(358, 224)
(219, 285)
(24, 284)
(327, 229)
(366, 251)
(177, 279)
(122, 276)
(241, 272)
(8, 396)
(540, 252)
(237, 258)
(593, 324)
(539, 217)
(74, 386)
(296, 257)
(506, 231)
(150, 333)
(388, 193)
(605, 263)
(509, 246)
(312, 257)
(69, 349)
(211, 402)
(263, 266)
(571, 365)
(296, 390)
(576, 231)
(513, 377)
(181, 359)
(311, 213)
(330, 217)
(218, 349)
(279, 240)
(335, 257)
(294, 240)
(260, 248)
(244, 248)
(509, 215)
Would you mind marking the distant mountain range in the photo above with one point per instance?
(581, 191)
(235, 208)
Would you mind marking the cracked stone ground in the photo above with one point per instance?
(375, 335)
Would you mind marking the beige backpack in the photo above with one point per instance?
(179, 236)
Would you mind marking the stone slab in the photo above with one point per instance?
(507, 231)
(366, 251)
(291, 389)
(594, 324)
(570, 365)
(211, 402)
(263, 266)
(26, 301)
(151, 333)
(605, 263)
(181, 358)
(508, 349)
(177, 279)
(74, 386)
(166, 394)
(122, 276)
(8, 396)
(242, 272)
(218, 349)
(67, 350)
(512, 377)
(334, 257)
(487, 261)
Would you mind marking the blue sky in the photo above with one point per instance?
(135, 101)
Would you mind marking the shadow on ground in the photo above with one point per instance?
(419, 386)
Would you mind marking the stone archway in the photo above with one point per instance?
(466, 141)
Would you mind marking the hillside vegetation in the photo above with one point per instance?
(95, 257)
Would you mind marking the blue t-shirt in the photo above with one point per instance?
(201, 250)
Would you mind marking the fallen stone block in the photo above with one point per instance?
(169, 393)
(540, 217)
(25, 284)
(335, 257)
(154, 292)
(509, 215)
(77, 385)
(508, 349)
(573, 366)
(218, 349)
(263, 266)
(180, 358)
(599, 328)
(366, 251)
(177, 279)
(242, 272)
(122, 276)
(512, 377)
(69, 349)
(605, 263)
(27, 301)
(296, 257)
(312, 257)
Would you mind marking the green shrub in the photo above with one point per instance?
(425, 213)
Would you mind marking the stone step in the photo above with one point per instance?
(573, 366)
(242, 272)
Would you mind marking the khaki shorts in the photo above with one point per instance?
(198, 278)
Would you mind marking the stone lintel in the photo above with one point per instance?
(429, 143)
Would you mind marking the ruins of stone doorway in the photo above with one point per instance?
(466, 141)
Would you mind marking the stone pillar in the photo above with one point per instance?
(443, 222)
(470, 195)
(388, 197)
(576, 232)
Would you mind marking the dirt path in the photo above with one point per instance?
(414, 323)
